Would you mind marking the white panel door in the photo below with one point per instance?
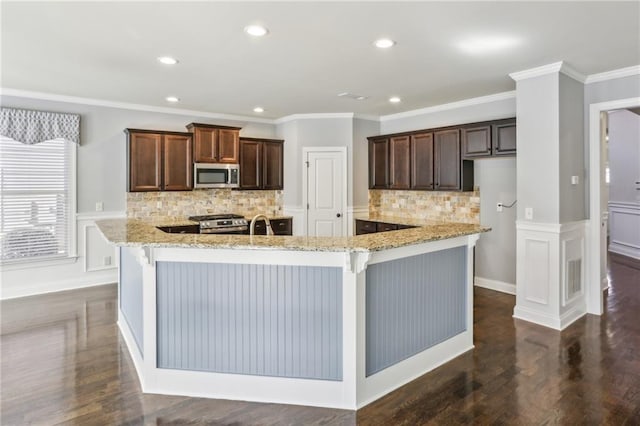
(325, 193)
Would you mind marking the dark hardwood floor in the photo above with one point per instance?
(63, 362)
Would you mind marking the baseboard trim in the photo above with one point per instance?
(495, 285)
(556, 322)
(625, 250)
(56, 286)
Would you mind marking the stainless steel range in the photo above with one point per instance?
(221, 223)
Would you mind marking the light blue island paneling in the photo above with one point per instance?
(131, 294)
(413, 304)
(269, 320)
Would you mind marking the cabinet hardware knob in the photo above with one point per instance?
(338, 215)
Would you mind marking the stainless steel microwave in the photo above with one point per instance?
(210, 175)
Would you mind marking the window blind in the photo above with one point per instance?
(35, 199)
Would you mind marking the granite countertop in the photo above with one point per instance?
(182, 220)
(137, 232)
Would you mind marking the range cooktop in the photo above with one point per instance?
(215, 217)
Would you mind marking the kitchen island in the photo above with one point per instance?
(333, 322)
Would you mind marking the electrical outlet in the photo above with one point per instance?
(107, 260)
(528, 213)
(99, 206)
(499, 208)
(159, 204)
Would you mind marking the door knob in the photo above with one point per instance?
(338, 215)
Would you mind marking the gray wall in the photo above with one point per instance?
(496, 250)
(572, 146)
(624, 156)
(312, 132)
(361, 130)
(101, 155)
(538, 154)
(496, 179)
(505, 108)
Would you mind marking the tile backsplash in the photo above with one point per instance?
(432, 205)
(203, 201)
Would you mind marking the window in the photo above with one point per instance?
(37, 199)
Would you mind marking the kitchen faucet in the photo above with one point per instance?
(252, 227)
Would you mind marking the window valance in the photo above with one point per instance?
(31, 127)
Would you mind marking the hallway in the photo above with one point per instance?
(63, 361)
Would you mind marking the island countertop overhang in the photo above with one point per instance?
(143, 233)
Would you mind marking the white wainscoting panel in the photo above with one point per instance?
(85, 270)
(550, 273)
(624, 228)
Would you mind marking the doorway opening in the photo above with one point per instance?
(598, 198)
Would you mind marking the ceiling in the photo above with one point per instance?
(314, 50)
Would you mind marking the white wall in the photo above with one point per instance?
(624, 192)
(624, 156)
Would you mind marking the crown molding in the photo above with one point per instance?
(367, 117)
(453, 105)
(126, 105)
(611, 75)
(556, 67)
(314, 116)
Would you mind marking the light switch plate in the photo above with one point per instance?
(99, 206)
(528, 213)
(575, 180)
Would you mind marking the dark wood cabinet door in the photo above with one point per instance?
(205, 145)
(272, 165)
(145, 161)
(399, 164)
(250, 164)
(177, 163)
(384, 227)
(476, 141)
(282, 226)
(447, 160)
(504, 137)
(378, 163)
(365, 227)
(228, 146)
(422, 161)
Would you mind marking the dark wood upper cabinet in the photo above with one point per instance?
(261, 163)
(399, 162)
(504, 137)
(378, 163)
(422, 161)
(159, 161)
(447, 159)
(272, 165)
(476, 141)
(250, 164)
(177, 163)
(215, 144)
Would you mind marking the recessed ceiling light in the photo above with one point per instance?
(352, 96)
(258, 109)
(394, 99)
(256, 30)
(384, 43)
(172, 99)
(167, 60)
(481, 45)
